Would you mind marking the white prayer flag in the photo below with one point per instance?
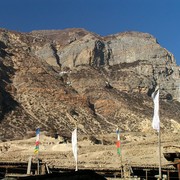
(74, 145)
(118, 134)
(156, 121)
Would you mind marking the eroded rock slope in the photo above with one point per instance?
(48, 77)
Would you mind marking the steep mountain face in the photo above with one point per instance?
(57, 79)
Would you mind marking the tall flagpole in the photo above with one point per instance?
(36, 149)
(77, 149)
(159, 144)
(74, 147)
(119, 149)
(156, 123)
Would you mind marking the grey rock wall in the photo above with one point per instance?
(149, 63)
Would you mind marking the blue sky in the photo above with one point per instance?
(157, 17)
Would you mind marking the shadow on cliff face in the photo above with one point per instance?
(98, 54)
(7, 103)
(2, 51)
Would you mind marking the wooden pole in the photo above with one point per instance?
(167, 174)
(38, 167)
(77, 148)
(120, 147)
(178, 167)
(29, 165)
(47, 168)
(156, 124)
(159, 146)
(122, 174)
(146, 175)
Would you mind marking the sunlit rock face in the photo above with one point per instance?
(56, 79)
(137, 54)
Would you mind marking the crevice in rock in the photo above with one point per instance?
(98, 54)
(55, 54)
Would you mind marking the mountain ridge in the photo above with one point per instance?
(101, 82)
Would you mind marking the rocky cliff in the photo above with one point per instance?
(55, 79)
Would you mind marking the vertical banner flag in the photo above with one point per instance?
(74, 145)
(156, 121)
(36, 149)
(118, 143)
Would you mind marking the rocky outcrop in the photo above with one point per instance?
(139, 54)
(57, 79)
